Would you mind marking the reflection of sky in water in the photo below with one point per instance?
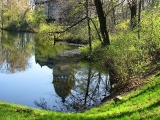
(28, 86)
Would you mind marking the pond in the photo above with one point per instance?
(36, 74)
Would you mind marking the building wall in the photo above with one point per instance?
(53, 8)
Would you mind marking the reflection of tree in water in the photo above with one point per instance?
(79, 87)
(90, 88)
(15, 50)
(47, 49)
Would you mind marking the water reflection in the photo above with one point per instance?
(63, 81)
(79, 86)
(75, 85)
(15, 50)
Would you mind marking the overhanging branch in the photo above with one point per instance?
(58, 32)
(96, 29)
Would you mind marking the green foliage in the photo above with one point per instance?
(127, 55)
(36, 17)
(51, 31)
(17, 26)
(122, 26)
(96, 53)
(54, 27)
(76, 34)
(14, 15)
(150, 34)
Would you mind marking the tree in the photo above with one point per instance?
(102, 16)
(83, 12)
(36, 17)
(102, 22)
(1, 14)
(88, 24)
(133, 9)
(139, 16)
(13, 14)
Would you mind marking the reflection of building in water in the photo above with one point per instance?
(63, 82)
(78, 87)
(63, 78)
(45, 62)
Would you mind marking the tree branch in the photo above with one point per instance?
(56, 32)
(96, 30)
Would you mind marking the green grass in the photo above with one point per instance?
(143, 103)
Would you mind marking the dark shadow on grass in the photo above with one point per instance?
(152, 88)
(113, 117)
(128, 114)
(157, 75)
(59, 117)
(137, 95)
(153, 105)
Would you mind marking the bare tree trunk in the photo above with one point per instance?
(133, 9)
(102, 22)
(142, 2)
(139, 17)
(123, 11)
(2, 14)
(113, 14)
(2, 20)
(114, 17)
(88, 24)
(153, 2)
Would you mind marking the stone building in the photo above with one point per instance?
(54, 9)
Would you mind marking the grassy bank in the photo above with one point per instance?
(143, 103)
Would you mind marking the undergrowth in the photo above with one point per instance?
(129, 56)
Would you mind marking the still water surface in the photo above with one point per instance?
(33, 74)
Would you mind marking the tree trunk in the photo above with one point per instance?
(114, 16)
(133, 9)
(88, 24)
(102, 22)
(139, 17)
(2, 15)
(142, 2)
